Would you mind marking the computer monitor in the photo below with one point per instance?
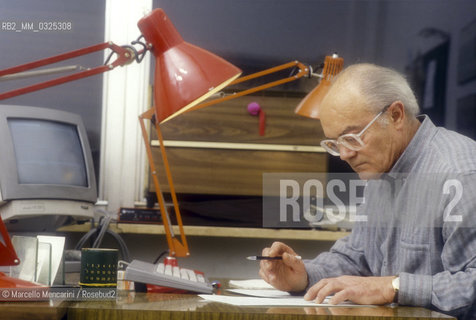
(46, 168)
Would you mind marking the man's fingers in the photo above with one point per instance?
(288, 273)
(265, 251)
(325, 288)
(277, 249)
(312, 293)
(291, 260)
(341, 296)
(264, 275)
(361, 290)
(334, 286)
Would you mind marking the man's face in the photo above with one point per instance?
(380, 150)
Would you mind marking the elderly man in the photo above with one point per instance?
(417, 245)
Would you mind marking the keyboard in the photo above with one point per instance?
(168, 274)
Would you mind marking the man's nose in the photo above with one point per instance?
(346, 153)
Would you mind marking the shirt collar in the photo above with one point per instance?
(415, 148)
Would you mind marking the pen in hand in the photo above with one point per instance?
(255, 258)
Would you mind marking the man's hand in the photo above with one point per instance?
(287, 274)
(361, 290)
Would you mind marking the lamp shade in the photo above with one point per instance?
(309, 106)
(185, 74)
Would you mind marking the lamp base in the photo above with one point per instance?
(152, 288)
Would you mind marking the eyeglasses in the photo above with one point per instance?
(351, 141)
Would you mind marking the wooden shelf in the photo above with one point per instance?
(227, 232)
(219, 151)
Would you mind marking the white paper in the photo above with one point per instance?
(250, 284)
(263, 293)
(257, 292)
(291, 301)
(256, 301)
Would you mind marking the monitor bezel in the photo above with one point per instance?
(11, 189)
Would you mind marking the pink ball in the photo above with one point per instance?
(254, 108)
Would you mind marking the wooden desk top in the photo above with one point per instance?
(47, 310)
(174, 306)
(130, 306)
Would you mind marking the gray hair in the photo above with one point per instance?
(380, 86)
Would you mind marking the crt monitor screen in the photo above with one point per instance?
(46, 165)
(47, 152)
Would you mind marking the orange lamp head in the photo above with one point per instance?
(309, 106)
(185, 74)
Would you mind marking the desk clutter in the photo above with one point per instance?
(98, 267)
(40, 258)
(139, 215)
(168, 274)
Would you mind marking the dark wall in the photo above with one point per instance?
(402, 34)
(81, 25)
(254, 34)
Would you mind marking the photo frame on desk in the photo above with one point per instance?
(467, 53)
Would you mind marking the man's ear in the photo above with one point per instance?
(397, 114)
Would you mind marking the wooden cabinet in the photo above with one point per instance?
(218, 150)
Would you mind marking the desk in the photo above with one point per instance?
(174, 306)
(131, 306)
(47, 310)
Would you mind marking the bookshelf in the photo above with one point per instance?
(228, 232)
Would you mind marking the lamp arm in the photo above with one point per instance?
(303, 70)
(181, 249)
(125, 55)
(176, 248)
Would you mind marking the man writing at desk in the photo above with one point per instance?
(417, 243)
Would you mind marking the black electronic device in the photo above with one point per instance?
(139, 215)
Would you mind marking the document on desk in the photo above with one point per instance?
(250, 284)
(262, 293)
(289, 301)
(256, 292)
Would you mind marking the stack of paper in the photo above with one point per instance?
(257, 292)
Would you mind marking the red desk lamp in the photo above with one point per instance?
(8, 257)
(309, 105)
(185, 76)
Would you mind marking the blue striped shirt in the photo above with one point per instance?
(420, 225)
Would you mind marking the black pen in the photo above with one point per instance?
(254, 258)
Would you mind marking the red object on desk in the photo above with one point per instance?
(8, 257)
(152, 288)
(9, 282)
